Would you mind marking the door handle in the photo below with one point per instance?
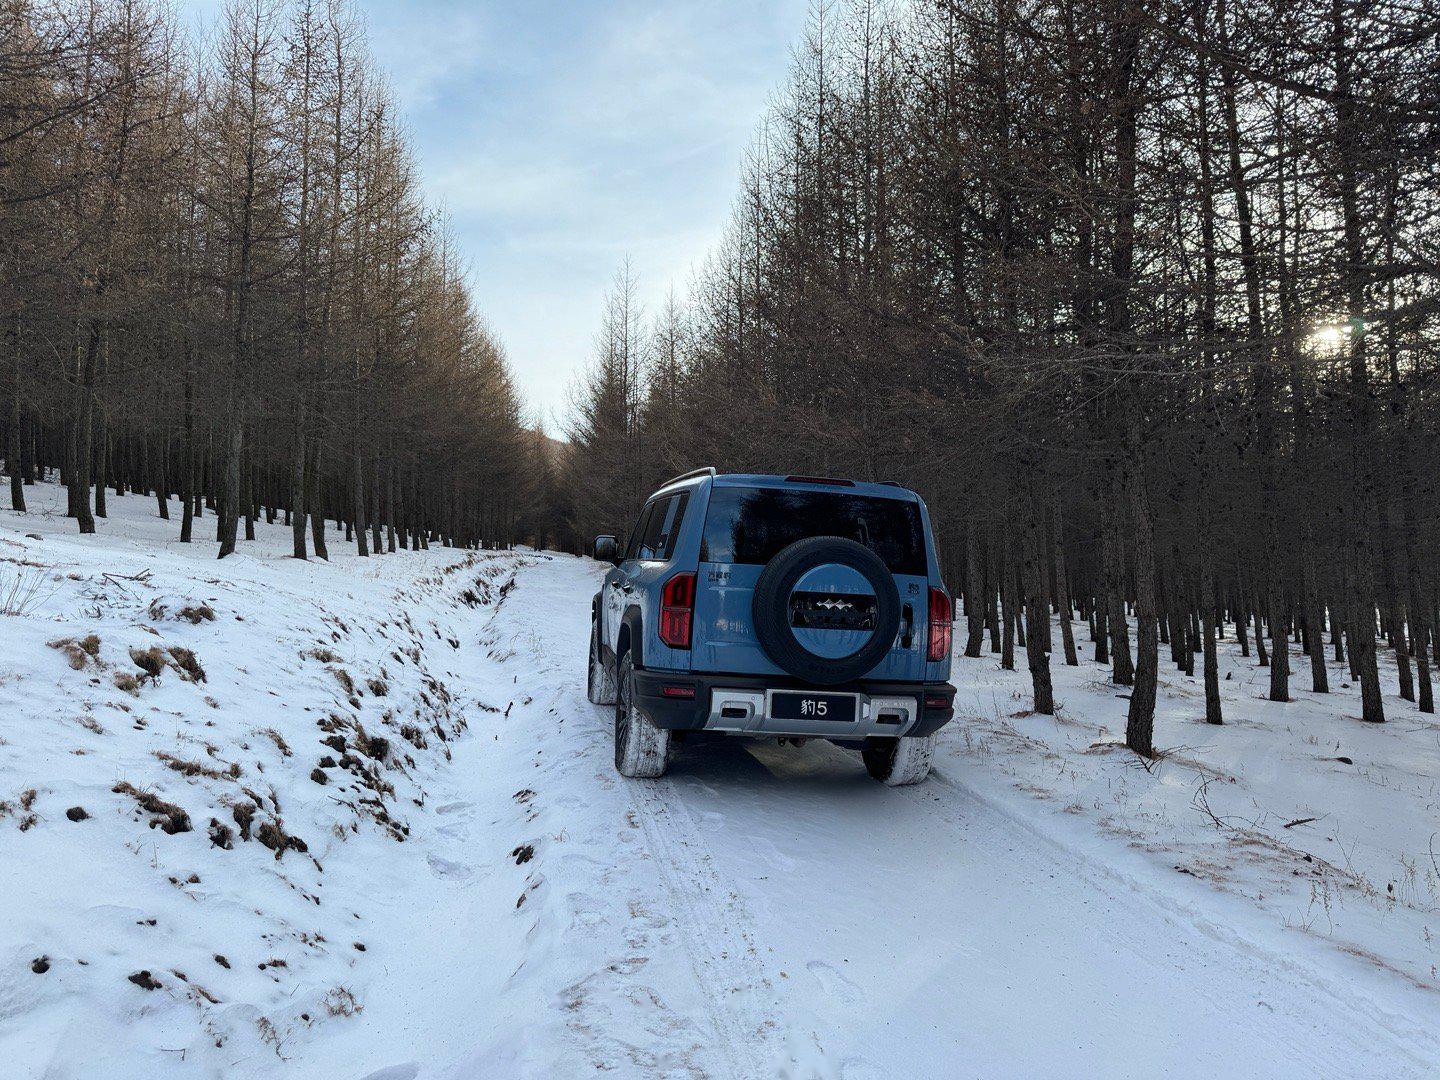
(626, 586)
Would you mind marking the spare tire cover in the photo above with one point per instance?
(826, 610)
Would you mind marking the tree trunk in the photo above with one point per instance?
(975, 597)
(357, 477)
(14, 454)
(1122, 670)
(230, 509)
(247, 493)
(188, 493)
(1102, 632)
(1037, 613)
(29, 450)
(161, 478)
(298, 506)
(1395, 613)
(1319, 676)
(390, 504)
(1140, 722)
(1213, 712)
(1356, 266)
(317, 512)
(1007, 612)
(102, 459)
(83, 426)
(373, 493)
(1062, 589)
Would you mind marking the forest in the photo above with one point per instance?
(1141, 295)
(220, 280)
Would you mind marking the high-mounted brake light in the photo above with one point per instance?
(940, 625)
(827, 481)
(677, 610)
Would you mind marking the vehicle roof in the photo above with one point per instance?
(799, 483)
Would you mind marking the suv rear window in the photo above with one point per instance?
(751, 525)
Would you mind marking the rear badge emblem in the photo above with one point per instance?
(832, 611)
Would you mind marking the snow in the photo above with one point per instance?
(295, 652)
(761, 911)
(1326, 823)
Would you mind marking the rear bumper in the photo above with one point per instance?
(735, 704)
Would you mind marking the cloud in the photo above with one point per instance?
(564, 135)
(427, 49)
(509, 187)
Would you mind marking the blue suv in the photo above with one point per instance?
(775, 606)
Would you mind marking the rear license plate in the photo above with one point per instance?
(798, 705)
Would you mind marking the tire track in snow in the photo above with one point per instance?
(730, 1030)
(717, 933)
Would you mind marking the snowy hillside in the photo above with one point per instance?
(444, 877)
(207, 773)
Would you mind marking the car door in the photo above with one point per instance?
(620, 582)
(654, 565)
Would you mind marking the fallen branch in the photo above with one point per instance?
(142, 577)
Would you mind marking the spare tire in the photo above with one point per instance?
(873, 620)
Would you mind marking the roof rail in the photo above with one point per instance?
(708, 470)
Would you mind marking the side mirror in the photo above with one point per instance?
(606, 549)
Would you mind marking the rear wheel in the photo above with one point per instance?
(600, 687)
(899, 762)
(642, 750)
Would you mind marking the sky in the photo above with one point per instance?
(566, 135)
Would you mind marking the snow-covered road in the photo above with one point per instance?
(773, 912)
(482, 897)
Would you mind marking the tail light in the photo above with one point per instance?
(677, 611)
(940, 628)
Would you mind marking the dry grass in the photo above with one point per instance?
(195, 768)
(197, 614)
(25, 588)
(187, 663)
(279, 741)
(372, 746)
(222, 837)
(339, 1001)
(273, 835)
(151, 660)
(244, 814)
(191, 613)
(81, 652)
(343, 678)
(171, 818)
